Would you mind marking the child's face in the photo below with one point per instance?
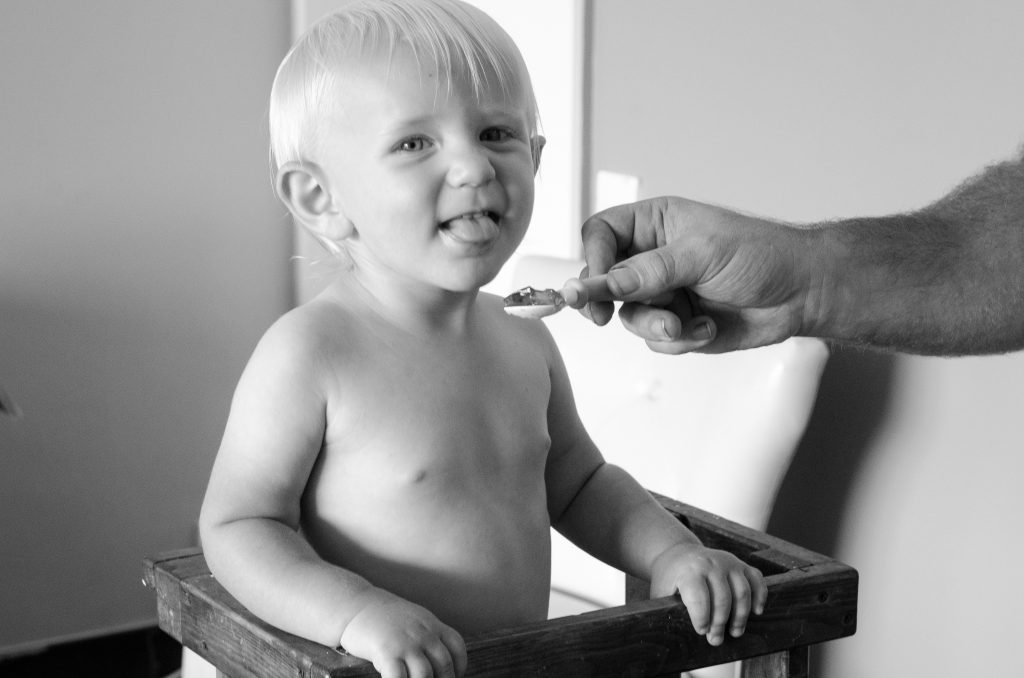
(437, 183)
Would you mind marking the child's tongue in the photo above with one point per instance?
(472, 229)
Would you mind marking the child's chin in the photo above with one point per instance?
(471, 280)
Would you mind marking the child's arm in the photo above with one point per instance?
(602, 509)
(249, 526)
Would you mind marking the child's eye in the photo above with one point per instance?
(497, 134)
(412, 145)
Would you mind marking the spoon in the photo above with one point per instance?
(532, 303)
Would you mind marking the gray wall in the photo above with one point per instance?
(142, 253)
(911, 468)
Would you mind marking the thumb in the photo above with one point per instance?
(648, 274)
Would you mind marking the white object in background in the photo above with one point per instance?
(715, 431)
(614, 188)
(194, 666)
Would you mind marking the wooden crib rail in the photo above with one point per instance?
(811, 599)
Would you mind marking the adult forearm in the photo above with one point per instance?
(945, 280)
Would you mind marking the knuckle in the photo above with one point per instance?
(592, 226)
(661, 267)
(445, 667)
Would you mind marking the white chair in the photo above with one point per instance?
(714, 431)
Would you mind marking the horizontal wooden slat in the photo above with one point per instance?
(719, 532)
(811, 599)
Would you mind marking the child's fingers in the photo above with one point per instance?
(721, 600)
(758, 589)
(441, 663)
(390, 668)
(417, 665)
(741, 602)
(456, 649)
(697, 599)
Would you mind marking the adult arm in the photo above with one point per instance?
(944, 280)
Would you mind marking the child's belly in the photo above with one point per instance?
(474, 551)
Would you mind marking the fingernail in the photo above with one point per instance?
(702, 330)
(623, 281)
(666, 331)
(572, 291)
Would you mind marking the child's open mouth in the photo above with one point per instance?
(473, 228)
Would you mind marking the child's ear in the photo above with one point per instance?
(303, 189)
(536, 146)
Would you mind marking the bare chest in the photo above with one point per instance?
(429, 418)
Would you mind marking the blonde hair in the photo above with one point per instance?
(461, 40)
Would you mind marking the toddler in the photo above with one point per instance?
(398, 448)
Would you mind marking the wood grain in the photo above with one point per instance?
(811, 599)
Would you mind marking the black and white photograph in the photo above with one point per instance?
(525, 338)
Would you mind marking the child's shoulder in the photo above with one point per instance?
(305, 336)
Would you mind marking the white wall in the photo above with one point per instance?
(804, 111)
(141, 256)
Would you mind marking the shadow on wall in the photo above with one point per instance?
(852, 402)
(853, 398)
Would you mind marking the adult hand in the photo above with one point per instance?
(695, 276)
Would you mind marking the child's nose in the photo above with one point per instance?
(470, 167)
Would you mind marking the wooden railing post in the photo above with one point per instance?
(792, 663)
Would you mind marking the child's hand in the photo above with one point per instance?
(404, 640)
(712, 584)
